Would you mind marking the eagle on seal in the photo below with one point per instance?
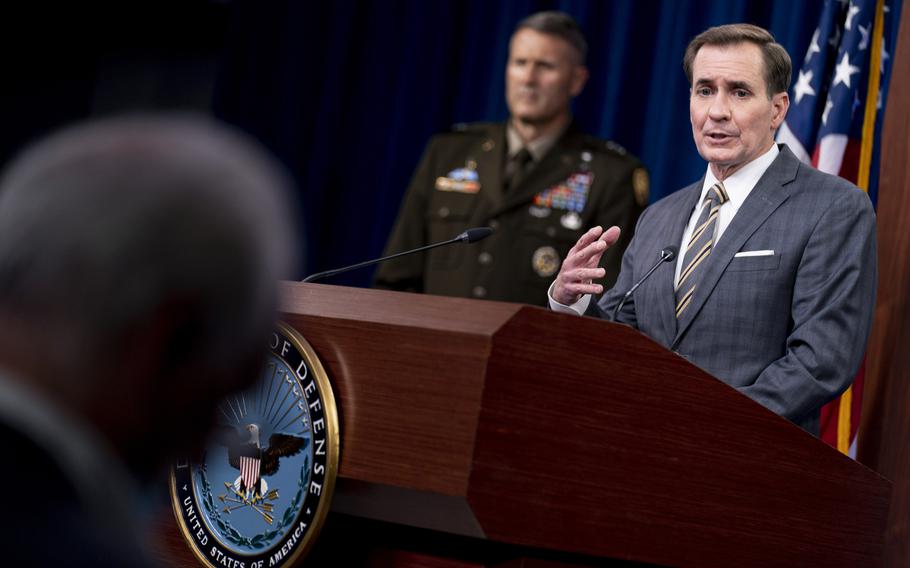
(246, 454)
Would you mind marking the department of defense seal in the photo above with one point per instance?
(259, 493)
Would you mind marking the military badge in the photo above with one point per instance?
(545, 261)
(462, 180)
(259, 493)
(568, 195)
(571, 221)
(585, 164)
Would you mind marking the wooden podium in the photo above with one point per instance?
(485, 433)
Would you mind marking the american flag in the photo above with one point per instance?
(249, 472)
(836, 106)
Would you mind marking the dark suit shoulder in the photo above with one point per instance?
(823, 187)
(831, 194)
(819, 180)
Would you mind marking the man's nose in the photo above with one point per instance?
(719, 108)
(528, 74)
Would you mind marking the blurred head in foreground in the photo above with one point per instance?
(139, 258)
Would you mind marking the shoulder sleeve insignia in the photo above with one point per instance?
(640, 186)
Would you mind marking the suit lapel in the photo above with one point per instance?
(764, 199)
(490, 157)
(677, 225)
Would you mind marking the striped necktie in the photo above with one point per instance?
(699, 247)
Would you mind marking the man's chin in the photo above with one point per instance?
(719, 156)
(532, 119)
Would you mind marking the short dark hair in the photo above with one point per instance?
(560, 25)
(778, 68)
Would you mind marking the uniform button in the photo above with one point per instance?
(494, 224)
(443, 212)
(479, 292)
(485, 258)
(551, 232)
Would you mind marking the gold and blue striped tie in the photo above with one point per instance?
(700, 245)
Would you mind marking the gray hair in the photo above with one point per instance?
(106, 222)
(557, 24)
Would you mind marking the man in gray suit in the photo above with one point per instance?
(773, 288)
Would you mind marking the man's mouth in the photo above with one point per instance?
(719, 137)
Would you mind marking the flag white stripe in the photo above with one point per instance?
(831, 153)
(785, 135)
(249, 471)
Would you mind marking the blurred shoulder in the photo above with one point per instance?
(612, 159)
(466, 135)
(470, 131)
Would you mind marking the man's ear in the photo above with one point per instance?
(579, 79)
(780, 103)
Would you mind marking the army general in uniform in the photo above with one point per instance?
(536, 179)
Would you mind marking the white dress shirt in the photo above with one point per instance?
(738, 186)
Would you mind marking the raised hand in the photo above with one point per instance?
(580, 268)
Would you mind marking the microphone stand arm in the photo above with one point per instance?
(665, 256)
(327, 273)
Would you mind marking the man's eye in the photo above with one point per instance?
(740, 93)
(703, 91)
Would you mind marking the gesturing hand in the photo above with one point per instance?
(580, 268)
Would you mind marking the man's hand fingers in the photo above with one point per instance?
(585, 275)
(591, 246)
(577, 290)
(593, 234)
(611, 235)
(580, 266)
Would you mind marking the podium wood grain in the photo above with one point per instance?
(494, 434)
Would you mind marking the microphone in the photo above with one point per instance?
(666, 255)
(469, 236)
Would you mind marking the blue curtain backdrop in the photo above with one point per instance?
(347, 92)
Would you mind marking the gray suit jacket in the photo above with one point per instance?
(789, 330)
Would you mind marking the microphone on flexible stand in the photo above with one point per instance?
(666, 255)
(469, 236)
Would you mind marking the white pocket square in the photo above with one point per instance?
(754, 253)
